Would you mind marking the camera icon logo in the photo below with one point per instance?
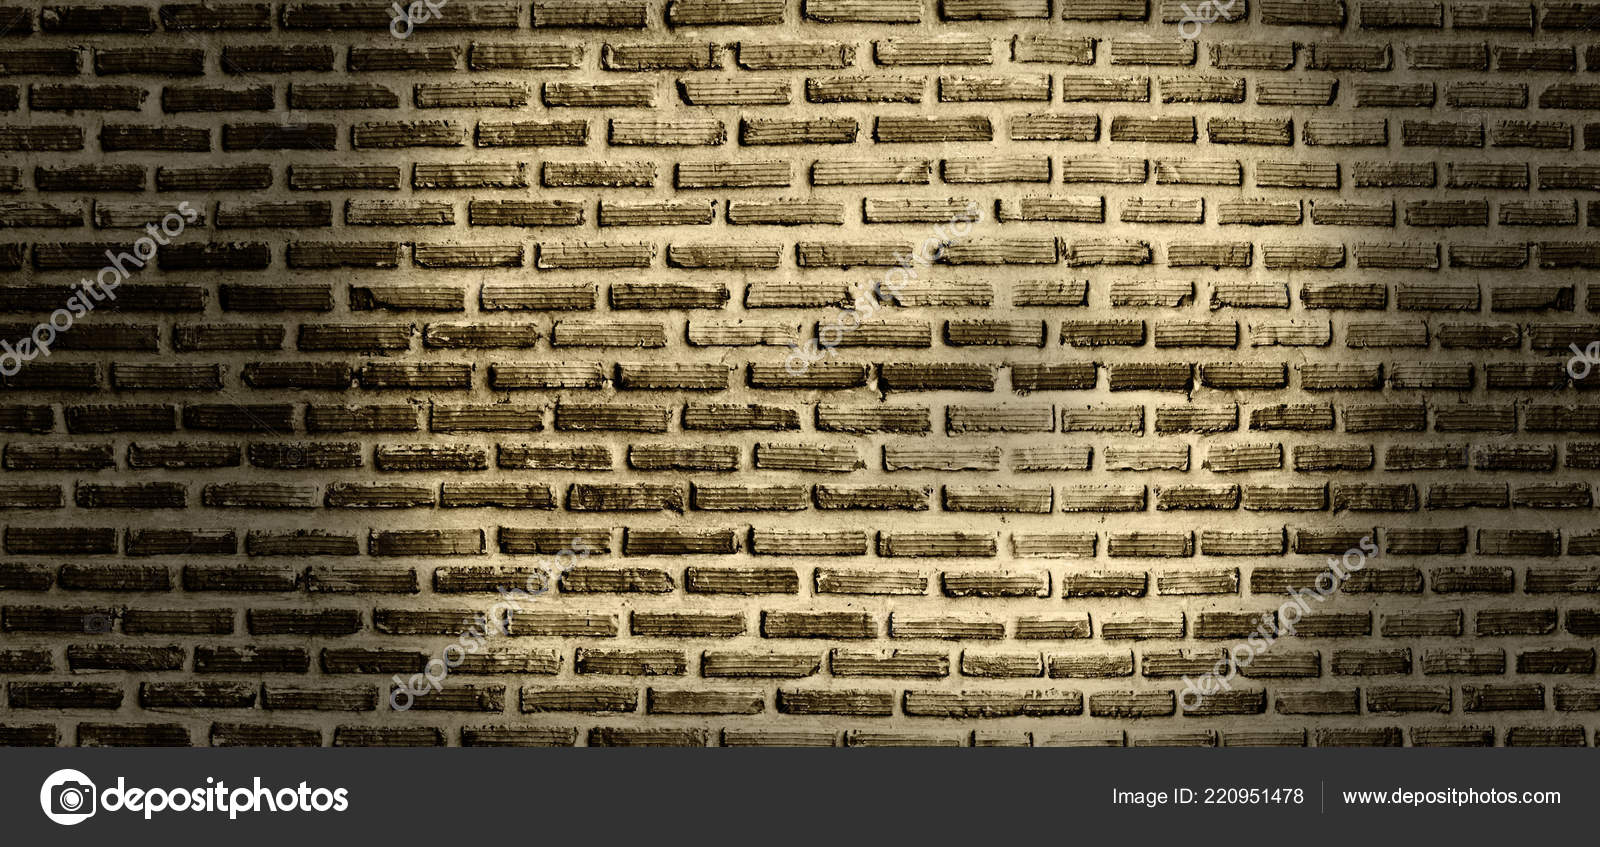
(68, 797)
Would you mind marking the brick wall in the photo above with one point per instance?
(436, 306)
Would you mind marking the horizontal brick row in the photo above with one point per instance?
(222, 734)
(778, 624)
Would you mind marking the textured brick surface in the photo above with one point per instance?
(1232, 304)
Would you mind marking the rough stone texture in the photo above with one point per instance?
(530, 274)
